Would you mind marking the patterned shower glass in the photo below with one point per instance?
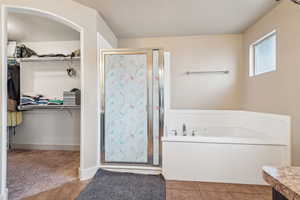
(126, 115)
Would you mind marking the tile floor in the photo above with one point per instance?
(177, 190)
(68, 191)
(67, 168)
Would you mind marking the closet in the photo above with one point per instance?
(44, 107)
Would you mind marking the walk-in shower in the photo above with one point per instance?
(132, 107)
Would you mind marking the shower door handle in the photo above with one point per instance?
(102, 124)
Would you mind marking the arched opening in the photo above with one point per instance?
(67, 110)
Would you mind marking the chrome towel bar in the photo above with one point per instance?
(207, 72)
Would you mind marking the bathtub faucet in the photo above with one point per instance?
(174, 132)
(184, 130)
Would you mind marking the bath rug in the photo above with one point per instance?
(107, 185)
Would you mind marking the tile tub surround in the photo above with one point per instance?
(285, 180)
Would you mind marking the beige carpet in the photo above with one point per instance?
(33, 172)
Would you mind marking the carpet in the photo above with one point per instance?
(32, 171)
(108, 185)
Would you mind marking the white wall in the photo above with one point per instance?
(106, 33)
(277, 92)
(35, 28)
(102, 43)
(49, 129)
(3, 115)
(56, 47)
(50, 78)
(85, 20)
(200, 53)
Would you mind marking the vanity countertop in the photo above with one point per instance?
(285, 180)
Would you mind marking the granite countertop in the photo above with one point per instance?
(285, 180)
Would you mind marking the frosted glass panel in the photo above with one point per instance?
(265, 55)
(126, 124)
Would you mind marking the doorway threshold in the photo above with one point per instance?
(133, 169)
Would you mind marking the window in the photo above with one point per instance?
(263, 55)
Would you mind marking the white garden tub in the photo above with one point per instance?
(227, 135)
(227, 146)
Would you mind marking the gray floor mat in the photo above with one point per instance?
(108, 185)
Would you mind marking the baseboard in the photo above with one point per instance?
(86, 174)
(4, 196)
(46, 147)
(133, 169)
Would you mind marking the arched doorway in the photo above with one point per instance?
(52, 16)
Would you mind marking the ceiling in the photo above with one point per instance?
(24, 27)
(152, 18)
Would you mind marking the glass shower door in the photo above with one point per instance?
(127, 122)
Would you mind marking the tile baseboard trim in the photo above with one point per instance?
(46, 147)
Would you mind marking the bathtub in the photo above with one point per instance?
(224, 146)
(227, 135)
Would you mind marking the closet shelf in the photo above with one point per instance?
(45, 107)
(48, 59)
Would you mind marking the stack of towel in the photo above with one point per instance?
(28, 100)
(38, 100)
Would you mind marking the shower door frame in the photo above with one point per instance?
(149, 54)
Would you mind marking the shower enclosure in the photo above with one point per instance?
(132, 106)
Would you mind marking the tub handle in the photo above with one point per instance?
(174, 132)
